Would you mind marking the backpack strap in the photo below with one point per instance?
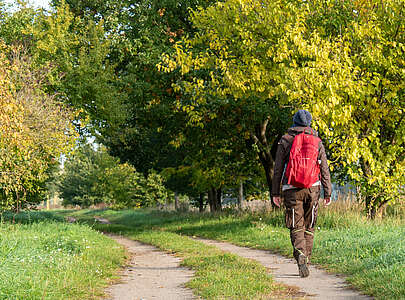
(288, 140)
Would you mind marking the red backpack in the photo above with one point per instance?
(303, 167)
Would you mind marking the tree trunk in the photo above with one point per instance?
(18, 203)
(176, 201)
(240, 195)
(201, 203)
(211, 200)
(370, 202)
(375, 207)
(265, 151)
(371, 207)
(219, 199)
(214, 199)
(382, 208)
(372, 213)
(268, 165)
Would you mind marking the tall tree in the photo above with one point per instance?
(35, 130)
(230, 62)
(140, 31)
(77, 49)
(342, 60)
(351, 76)
(155, 134)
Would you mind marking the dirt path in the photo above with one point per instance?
(150, 274)
(153, 274)
(319, 284)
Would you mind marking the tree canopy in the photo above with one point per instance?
(35, 129)
(201, 91)
(349, 73)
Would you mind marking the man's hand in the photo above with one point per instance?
(277, 200)
(327, 201)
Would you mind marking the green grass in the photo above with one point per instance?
(42, 257)
(370, 253)
(218, 275)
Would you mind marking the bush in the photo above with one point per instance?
(92, 177)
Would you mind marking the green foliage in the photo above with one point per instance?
(14, 20)
(79, 48)
(67, 59)
(80, 180)
(216, 103)
(154, 134)
(75, 48)
(93, 176)
(35, 130)
(140, 31)
(234, 50)
(342, 61)
(155, 192)
(231, 83)
(353, 82)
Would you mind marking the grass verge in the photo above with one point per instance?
(44, 258)
(370, 253)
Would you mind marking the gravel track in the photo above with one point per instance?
(150, 274)
(153, 274)
(319, 284)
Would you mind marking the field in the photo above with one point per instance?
(42, 257)
(370, 253)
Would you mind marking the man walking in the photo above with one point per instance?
(301, 168)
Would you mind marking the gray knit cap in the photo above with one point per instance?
(302, 118)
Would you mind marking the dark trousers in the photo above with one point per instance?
(300, 217)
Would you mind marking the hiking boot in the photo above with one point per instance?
(302, 265)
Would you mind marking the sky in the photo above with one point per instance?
(39, 3)
(36, 3)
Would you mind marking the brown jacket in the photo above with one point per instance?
(282, 156)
